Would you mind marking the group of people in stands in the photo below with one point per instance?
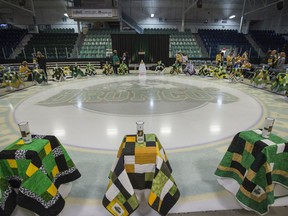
(232, 61)
(273, 59)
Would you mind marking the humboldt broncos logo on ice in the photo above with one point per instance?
(151, 97)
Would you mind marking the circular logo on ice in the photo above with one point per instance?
(136, 97)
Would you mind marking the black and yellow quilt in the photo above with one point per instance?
(140, 166)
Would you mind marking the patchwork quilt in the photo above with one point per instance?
(123, 69)
(39, 75)
(58, 74)
(140, 166)
(235, 75)
(90, 70)
(76, 72)
(107, 69)
(280, 83)
(256, 164)
(260, 79)
(37, 169)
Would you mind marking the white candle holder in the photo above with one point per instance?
(268, 125)
(140, 132)
(25, 132)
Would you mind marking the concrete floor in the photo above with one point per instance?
(273, 211)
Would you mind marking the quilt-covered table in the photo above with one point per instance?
(140, 166)
(257, 164)
(37, 169)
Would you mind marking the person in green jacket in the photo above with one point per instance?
(115, 61)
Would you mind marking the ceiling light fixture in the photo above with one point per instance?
(152, 15)
(66, 15)
(232, 16)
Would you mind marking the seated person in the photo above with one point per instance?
(238, 58)
(279, 63)
(25, 71)
(272, 59)
(246, 67)
(238, 64)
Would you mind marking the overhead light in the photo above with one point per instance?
(232, 16)
(152, 15)
(65, 14)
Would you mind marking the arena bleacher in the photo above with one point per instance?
(53, 45)
(96, 45)
(9, 40)
(269, 40)
(213, 38)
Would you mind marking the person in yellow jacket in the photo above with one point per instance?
(219, 59)
(272, 59)
(246, 68)
(179, 58)
(230, 60)
(25, 71)
(246, 65)
(245, 56)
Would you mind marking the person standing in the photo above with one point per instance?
(115, 62)
(184, 61)
(41, 61)
(126, 59)
(230, 61)
(179, 58)
(219, 58)
(272, 58)
(244, 56)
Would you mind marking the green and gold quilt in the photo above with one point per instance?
(256, 164)
(37, 169)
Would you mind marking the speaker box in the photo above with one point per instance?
(199, 4)
(280, 5)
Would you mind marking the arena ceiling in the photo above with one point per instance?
(260, 6)
(250, 4)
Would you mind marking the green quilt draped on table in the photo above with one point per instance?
(77, 72)
(256, 164)
(37, 169)
(140, 166)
